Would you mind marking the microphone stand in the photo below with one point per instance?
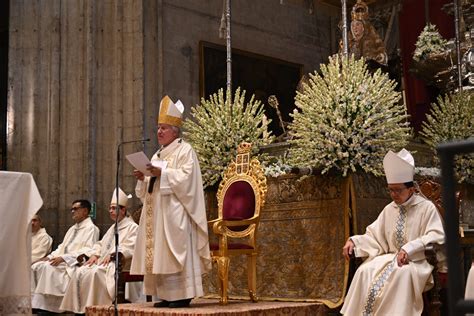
(117, 210)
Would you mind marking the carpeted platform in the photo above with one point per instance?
(204, 306)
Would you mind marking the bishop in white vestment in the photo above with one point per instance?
(172, 250)
(51, 275)
(94, 282)
(393, 277)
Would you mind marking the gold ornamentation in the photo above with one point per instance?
(164, 118)
(242, 169)
(360, 11)
(149, 234)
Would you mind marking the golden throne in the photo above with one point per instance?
(240, 198)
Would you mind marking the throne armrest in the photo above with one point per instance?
(220, 225)
(211, 222)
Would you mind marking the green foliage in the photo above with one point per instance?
(219, 125)
(429, 42)
(347, 119)
(450, 120)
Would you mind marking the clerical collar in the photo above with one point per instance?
(408, 202)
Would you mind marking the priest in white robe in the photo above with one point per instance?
(94, 282)
(393, 277)
(172, 250)
(41, 242)
(51, 275)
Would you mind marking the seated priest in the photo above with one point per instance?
(393, 277)
(94, 282)
(41, 242)
(51, 274)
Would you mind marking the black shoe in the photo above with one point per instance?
(163, 303)
(180, 303)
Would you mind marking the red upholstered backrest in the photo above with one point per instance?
(239, 201)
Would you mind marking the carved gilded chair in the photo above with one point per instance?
(240, 197)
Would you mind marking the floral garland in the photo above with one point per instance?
(429, 42)
(347, 119)
(452, 119)
(219, 125)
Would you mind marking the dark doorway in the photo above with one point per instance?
(259, 75)
(4, 21)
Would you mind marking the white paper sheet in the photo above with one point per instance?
(139, 160)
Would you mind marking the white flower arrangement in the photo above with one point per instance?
(428, 172)
(276, 168)
(347, 119)
(452, 119)
(429, 42)
(219, 125)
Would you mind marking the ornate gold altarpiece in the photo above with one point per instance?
(304, 225)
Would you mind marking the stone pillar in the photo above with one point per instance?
(77, 88)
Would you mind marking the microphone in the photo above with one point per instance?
(117, 210)
(134, 141)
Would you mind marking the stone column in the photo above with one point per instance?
(77, 73)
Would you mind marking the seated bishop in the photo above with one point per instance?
(395, 272)
(93, 283)
(51, 274)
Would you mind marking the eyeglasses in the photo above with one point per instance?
(75, 208)
(396, 191)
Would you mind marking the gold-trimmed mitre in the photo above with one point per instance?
(360, 11)
(171, 113)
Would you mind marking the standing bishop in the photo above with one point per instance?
(172, 250)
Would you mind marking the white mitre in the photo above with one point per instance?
(123, 198)
(171, 113)
(399, 167)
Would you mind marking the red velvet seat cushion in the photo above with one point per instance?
(239, 201)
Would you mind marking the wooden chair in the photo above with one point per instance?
(240, 196)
